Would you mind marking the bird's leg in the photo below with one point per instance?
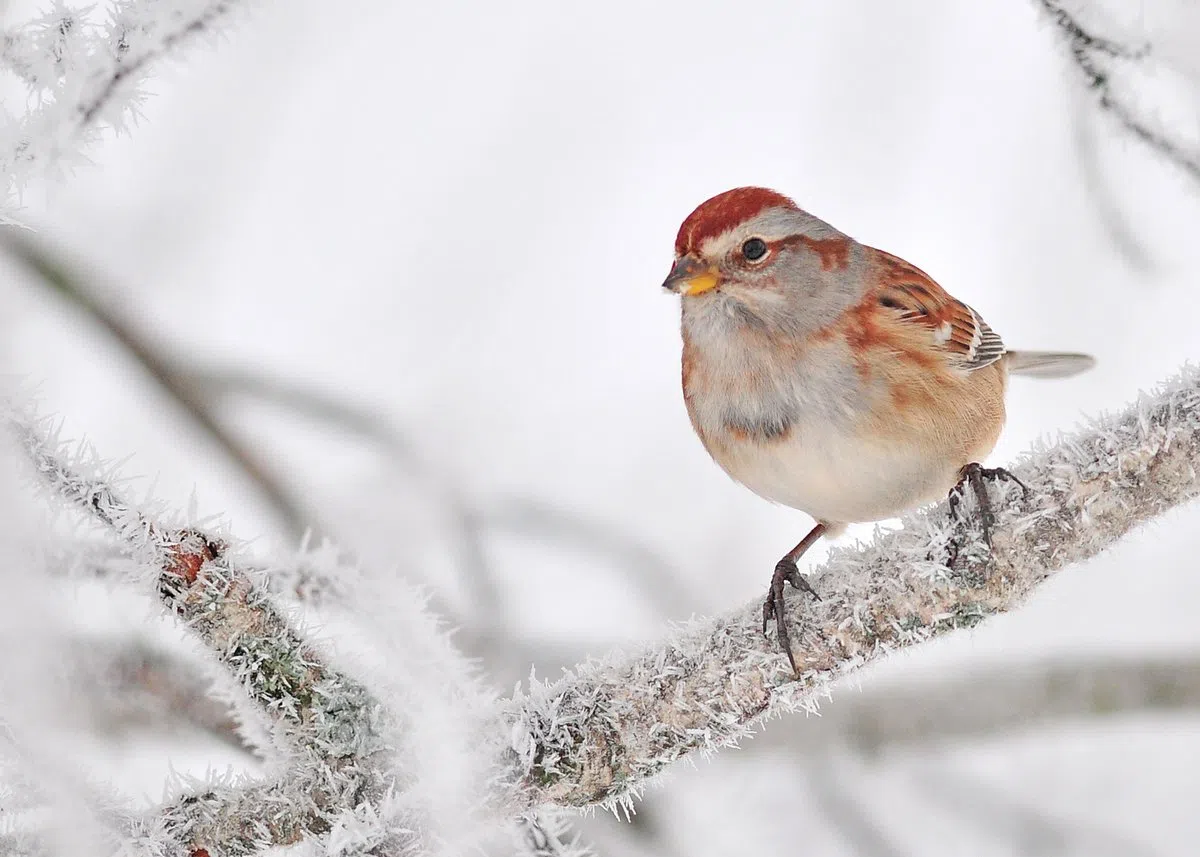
(787, 572)
(974, 475)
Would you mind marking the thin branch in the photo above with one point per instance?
(81, 74)
(642, 568)
(1093, 56)
(1116, 225)
(598, 734)
(471, 520)
(128, 683)
(130, 62)
(40, 52)
(1076, 32)
(219, 383)
(645, 570)
(1030, 829)
(53, 273)
(997, 701)
(837, 803)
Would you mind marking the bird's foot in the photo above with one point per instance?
(975, 474)
(775, 607)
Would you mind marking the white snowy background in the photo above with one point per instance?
(456, 216)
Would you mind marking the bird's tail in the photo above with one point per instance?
(1048, 364)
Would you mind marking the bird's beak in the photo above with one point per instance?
(691, 277)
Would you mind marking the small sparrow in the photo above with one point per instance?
(833, 377)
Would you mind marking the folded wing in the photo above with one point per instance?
(954, 327)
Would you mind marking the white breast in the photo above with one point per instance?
(835, 476)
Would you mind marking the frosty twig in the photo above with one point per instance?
(81, 74)
(328, 723)
(1096, 59)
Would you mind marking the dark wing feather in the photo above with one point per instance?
(953, 326)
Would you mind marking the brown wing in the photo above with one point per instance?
(953, 326)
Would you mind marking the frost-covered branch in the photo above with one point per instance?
(403, 767)
(139, 34)
(596, 735)
(328, 726)
(82, 74)
(599, 733)
(1107, 67)
(129, 683)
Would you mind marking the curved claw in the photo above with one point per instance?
(775, 605)
(974, 475)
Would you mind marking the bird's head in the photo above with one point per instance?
(756, 253)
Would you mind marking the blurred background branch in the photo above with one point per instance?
(55, 274)
(1028, 828)
(1101, 62)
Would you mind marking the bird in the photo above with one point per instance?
(833, 377)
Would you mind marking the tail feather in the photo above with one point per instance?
(1048, 364)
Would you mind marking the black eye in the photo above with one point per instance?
(754, 249)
